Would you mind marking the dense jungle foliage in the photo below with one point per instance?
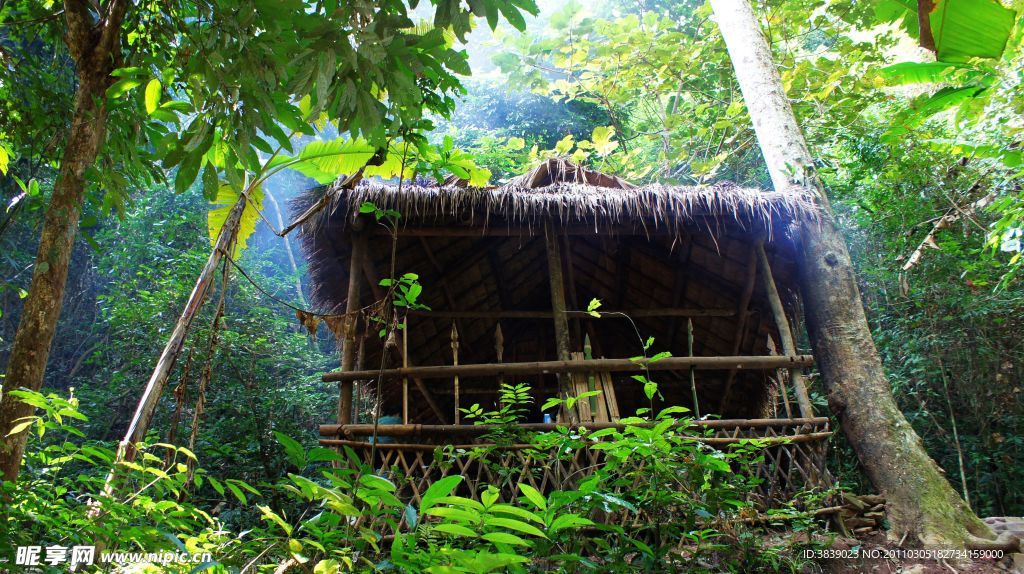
(921, 157)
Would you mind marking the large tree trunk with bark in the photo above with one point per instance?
(921, 504)
(94, 48)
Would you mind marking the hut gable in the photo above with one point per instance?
(660, 256)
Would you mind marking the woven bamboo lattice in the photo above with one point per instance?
(793, 461)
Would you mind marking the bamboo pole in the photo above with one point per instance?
(756, 362)
(558, 308)
(407, 430)
(455, 363)
(348, 348)
(514, 314)
(785, 333)
(405, 380)
(139, 424)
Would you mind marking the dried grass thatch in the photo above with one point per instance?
(556, 189)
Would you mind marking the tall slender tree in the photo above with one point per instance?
(922, 506)
(94, 42)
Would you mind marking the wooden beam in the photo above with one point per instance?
(758, 362)
(407, 430)
(610, 314)
(352, 306)
(796, 376)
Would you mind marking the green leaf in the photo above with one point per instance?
(945, 99)
(320, 454)
(438, 490)
(153, 89)
(217, 486)
(569, 521)
(327, 161)
(5, 159)
(504, 538)
(377, 483)
(503, 508)
(296, 454)
(122, 87)
(22, 426)
(226, 198)
(919, 72)
(211, 183)
(237, 492)
(533, 495)
(188, 170)
(455, 530)
(516, 525)
(454, 514)
(965, 29)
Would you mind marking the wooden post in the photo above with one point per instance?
(785, 332)
(352, 306)
(554, 254)
(405, 363)
(455, 362)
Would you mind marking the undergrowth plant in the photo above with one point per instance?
(659, 501)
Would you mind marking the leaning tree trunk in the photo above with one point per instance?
(95, 48)
(921, 503)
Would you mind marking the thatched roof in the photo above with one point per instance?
(574, 196)
(654, 246)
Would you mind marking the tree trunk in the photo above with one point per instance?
(921, 503)
(95, 48)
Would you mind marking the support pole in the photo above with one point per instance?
(796, 376)
(348, 348)
(405, 364)
(554, 256)
(455, 362)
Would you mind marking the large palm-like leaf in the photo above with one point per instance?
(965, 29)
(226, 198)
(326, 161)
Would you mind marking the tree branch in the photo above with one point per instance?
(79, 20)
(111, 30)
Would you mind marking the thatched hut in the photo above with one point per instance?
(508, 273)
